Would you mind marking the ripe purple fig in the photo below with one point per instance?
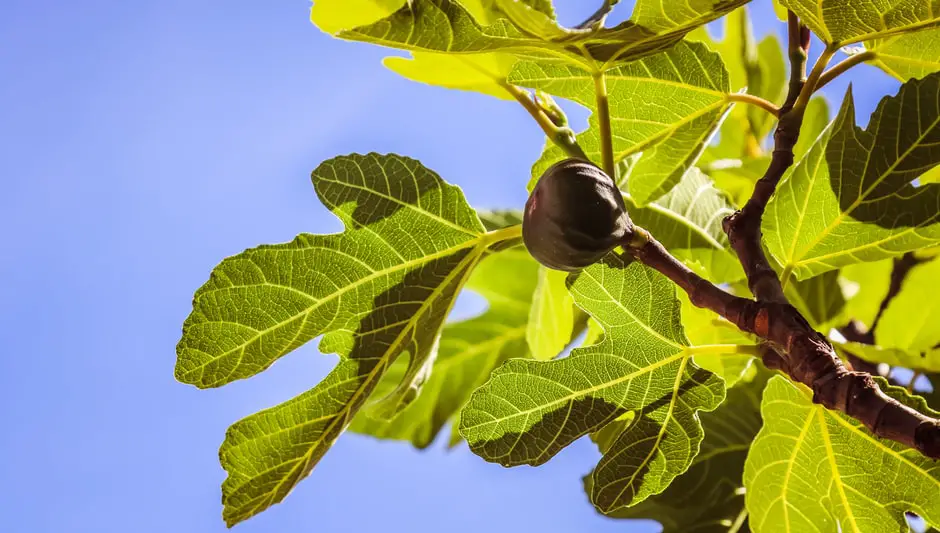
(574, 216)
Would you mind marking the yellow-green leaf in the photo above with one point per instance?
(911, 55)
(551, 317)
(911, 322)
(839, 22)
(469, 350)
(812, 469)
(666, 106)
(851, 198)
(379, 289)
(529, 410)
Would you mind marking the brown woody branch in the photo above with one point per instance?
(799, 351)
(793, 346)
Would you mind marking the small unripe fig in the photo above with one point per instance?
(574, 216)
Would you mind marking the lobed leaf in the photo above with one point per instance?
(709, 497)
(839, 23)
(446, 36)
(666, 106)
(379, 289)
(687, 221)
(906, 56)
(851, 198)
(529, 410)
(812, 469)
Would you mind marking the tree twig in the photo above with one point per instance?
(842, 66)
(562, 136)
(754, 101)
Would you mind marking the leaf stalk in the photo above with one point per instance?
(841, 67)
(603, 119)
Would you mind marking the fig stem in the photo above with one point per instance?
(756, 101)
(603, 120)
(842, 66)
(562, 136)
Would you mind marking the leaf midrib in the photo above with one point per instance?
(659, 436)
(384, 361)
(836, 476)
(318, 303)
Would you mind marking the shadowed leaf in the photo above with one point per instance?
(709, 497)
(529, 410)
(469, 350)
(379, 289)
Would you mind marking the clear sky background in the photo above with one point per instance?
(142, 142)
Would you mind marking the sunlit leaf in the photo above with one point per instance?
(813, 469)
(687, 221)
(928, 361)
(911, 321)
(333, 16)
(448, 26)
(551, 318)
(819, 299)
(667, 106)
(840, 23)
(379, 289)
(469, 350)
(866, 288)
(911, 55)
(529, 410)
(850, 199)
(483, 73)
(709, 497)
(704, 327)
(815, 120)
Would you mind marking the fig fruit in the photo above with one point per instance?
(574, 216)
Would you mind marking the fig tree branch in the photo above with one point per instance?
(799, 351)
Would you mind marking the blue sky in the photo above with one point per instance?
(142, 142)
